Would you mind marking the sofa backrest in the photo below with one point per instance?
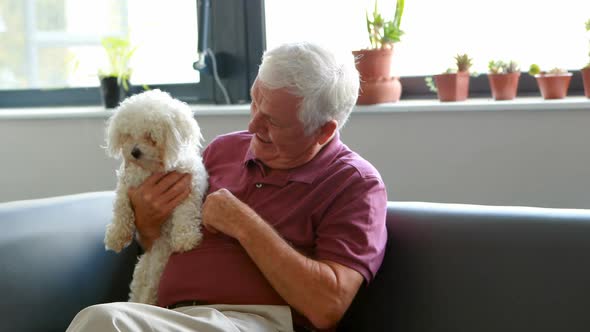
(447, 267)
(471, 268)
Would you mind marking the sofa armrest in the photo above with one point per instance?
(53, 262)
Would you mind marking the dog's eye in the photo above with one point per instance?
(150, 139)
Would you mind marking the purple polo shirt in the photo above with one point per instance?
(332, 208)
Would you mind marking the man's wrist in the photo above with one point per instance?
(250, 229)
(146, 240)
(147, 230)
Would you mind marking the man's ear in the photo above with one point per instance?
(327, 131)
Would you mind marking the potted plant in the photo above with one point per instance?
(114, 81)
(374, 63)
(554, 83)
(503, 78)
(586, 70)
(453, 84)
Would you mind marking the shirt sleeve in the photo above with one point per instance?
(353, 230)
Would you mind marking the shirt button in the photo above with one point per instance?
(259, 185)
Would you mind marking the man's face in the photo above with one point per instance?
(279, 140)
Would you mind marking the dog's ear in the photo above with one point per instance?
(184, 134)
(173, 147)
(114, 138)
(192, 131)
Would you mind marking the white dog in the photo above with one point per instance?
(155, 133)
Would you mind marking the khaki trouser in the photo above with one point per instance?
(128, 316)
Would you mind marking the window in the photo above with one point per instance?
(544, 32)
(50, 50)
(49, 44)
(528, 31)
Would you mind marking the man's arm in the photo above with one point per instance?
(320, 290)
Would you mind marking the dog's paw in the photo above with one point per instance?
(184, 241)
(115, 239)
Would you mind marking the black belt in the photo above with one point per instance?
(302, 328)
(185, 304)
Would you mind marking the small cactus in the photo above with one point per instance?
(463, 62)
(512, 67)
(501, 67)
(557, 71)
(534, 69)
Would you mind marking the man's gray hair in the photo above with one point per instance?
(328, 84)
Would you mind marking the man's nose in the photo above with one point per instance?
(136, 152)
(255, 121)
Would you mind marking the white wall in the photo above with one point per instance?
(510, 157)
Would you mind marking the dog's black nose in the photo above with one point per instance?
(136, 152)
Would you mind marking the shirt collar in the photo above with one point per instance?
(308, 172)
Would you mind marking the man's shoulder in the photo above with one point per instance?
(235, 140)
(350, 159)
(236, 137)
(227, 146)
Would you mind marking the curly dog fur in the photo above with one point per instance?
(154, 132)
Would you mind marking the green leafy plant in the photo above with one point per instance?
(383, 33)
(501, 67)
(534, 69)
(119, 52)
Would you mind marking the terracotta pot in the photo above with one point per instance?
(373, 64)
(586, 79)
(554, 86)
(387, 90)
(452, 87)
(504, 86)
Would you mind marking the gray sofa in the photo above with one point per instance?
(447, 268)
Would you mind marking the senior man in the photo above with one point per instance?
(294, 220)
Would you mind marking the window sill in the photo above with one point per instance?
(90, 112)
(481, 104)
(427, 105)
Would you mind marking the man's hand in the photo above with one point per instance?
(320, 290)
(225, 213)
(154, 200)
